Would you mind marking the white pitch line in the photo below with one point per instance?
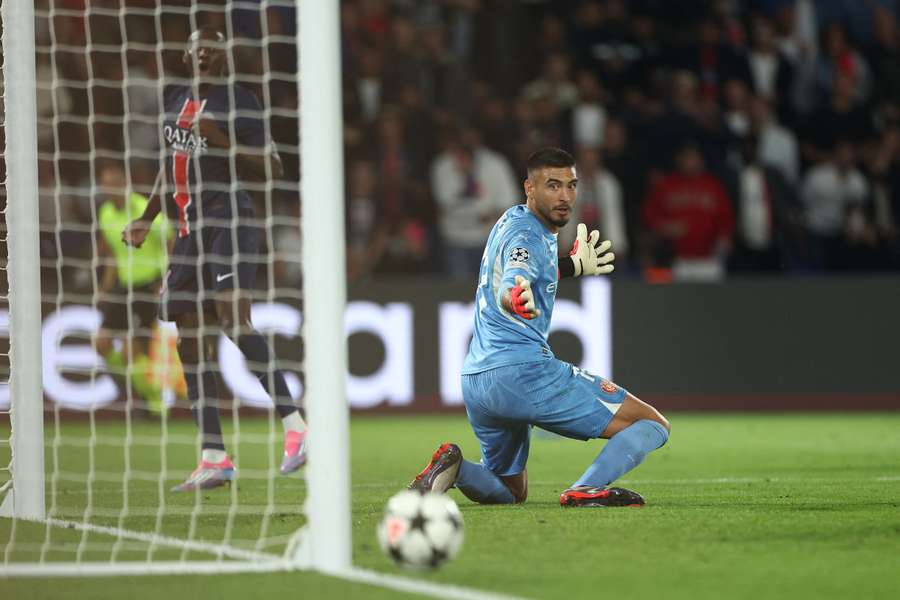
(249, 562)
(162, 540)
(418, 586)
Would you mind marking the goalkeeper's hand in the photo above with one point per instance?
(520, 299)
(587, 257)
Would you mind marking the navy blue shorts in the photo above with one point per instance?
(221, 255)
(505, 402)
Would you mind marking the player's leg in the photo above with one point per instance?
(114, 325)
(500, 477)
(582, 406)
(476, 481)
(196, 349)
(232, 283)
(636, 430)
(143, 316)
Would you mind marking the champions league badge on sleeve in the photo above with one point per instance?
(518, 258)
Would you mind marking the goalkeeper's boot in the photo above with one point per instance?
(587, 496)
(440, 474)
(207, 476)
(294, 452)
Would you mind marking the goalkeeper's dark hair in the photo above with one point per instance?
(549, 157)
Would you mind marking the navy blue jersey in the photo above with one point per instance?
(519, 244)
(203, 179)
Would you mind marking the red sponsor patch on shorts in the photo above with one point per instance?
(608, 386)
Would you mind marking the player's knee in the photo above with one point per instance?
(664, 422)
(517, 486)
(520, 496)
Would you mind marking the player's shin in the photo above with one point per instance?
(480, 485)
(258, 355)
(623, 452)
(203, 394)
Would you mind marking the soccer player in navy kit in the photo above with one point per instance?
(215, 138)
(511, 379)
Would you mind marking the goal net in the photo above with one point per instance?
(96, 420)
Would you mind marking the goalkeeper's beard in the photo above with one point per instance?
(558, 221)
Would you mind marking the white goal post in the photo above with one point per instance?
(24, 493)
(324, 543)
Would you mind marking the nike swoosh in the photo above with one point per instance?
(223, 276)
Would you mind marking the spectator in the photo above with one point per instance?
(615, 50)
(588, 116)
(885, 169)
(842, 118)
(841, 60)
(777, 146)
(554, 82)
(690, 209)
(405, 204)
(625, 160)
(600, 204)
(737, 108)
(494, 119)
(365, 232)
(712, 60)
(771, 72)
(834, 196)
(764, 213)
(798, 41)
(472, 186)
(369, 88)
(884, 57)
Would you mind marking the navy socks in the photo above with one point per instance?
(257, 353)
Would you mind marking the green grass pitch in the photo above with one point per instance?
(738, 506)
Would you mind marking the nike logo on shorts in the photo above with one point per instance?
(223, 276)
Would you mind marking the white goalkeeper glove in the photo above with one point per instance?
(587, 256)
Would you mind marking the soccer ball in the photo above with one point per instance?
(421, 531)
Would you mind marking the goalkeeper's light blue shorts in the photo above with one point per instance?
(504, 403)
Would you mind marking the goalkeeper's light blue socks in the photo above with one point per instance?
(480, 485)
(623, 452)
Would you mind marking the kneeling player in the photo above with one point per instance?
(510, 378)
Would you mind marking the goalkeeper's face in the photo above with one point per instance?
(551, 194)
(204, 55)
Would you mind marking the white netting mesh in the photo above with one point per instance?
(118, 430)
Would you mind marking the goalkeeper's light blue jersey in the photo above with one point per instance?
(519, 244)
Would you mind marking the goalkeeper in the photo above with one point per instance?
(511, 379)
(217, 149)
(125, 270)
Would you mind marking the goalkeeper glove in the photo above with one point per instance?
(587, 257)
(520, 299)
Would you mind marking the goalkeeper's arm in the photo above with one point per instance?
(587, 257)
(519, 299)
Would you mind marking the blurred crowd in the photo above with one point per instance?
(712, 136)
